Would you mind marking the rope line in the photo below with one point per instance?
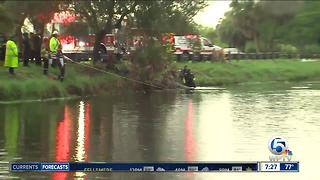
(113, 74)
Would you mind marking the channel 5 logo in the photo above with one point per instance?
(278, 146)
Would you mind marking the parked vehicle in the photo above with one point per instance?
(184, 47)
(187, 47)
(79, 45)
(232, 51)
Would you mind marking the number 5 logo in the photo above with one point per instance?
(277, 145)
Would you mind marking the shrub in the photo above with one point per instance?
(151, 64)
(250, 47)
(312, 48)
(288, 48)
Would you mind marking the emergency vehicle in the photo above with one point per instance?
(185, 46)
(80, 45)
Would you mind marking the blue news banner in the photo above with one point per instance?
(155, 167)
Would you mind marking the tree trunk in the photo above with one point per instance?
(257, 42)
(42, 30)
(271, 45)
(18, 32)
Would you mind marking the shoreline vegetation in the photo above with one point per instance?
(29, 83)
(254, 71)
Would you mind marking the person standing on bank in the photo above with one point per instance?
(37, 48)
(26, 49)
(56, 53)
(11, 57)
(45, 57)
(32, 54)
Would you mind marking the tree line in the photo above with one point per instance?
(151, 18)
(265, 26)
(252, 26)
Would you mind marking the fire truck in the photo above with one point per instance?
(185, 46)
(77, 45)
(80, 45)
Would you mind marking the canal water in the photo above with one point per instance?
(233, 124)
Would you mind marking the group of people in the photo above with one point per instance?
(34, 50)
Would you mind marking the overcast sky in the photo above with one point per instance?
(210, 15)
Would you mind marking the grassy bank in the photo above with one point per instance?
(30, 83)
(217, 74)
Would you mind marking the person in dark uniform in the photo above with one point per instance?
(26, 50)
(182, 74)
(37, 48)
(45, 55)
(189, 79)
(32, 47)
(3, 40)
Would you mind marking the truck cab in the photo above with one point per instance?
(206, 46)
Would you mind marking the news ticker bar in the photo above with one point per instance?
(155, 167)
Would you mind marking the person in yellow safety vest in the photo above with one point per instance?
(56, 53)
(11, 57)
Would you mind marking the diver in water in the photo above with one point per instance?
(182, 74)
(187, 77)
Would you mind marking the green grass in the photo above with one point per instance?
(243, 71)
(30, 83)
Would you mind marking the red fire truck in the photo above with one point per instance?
(79, 46)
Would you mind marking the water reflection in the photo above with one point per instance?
(63, 143)
(11, 120)
(190, 145)
(81, 149)
(63, 137)
(206, 126)
(189, 140)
